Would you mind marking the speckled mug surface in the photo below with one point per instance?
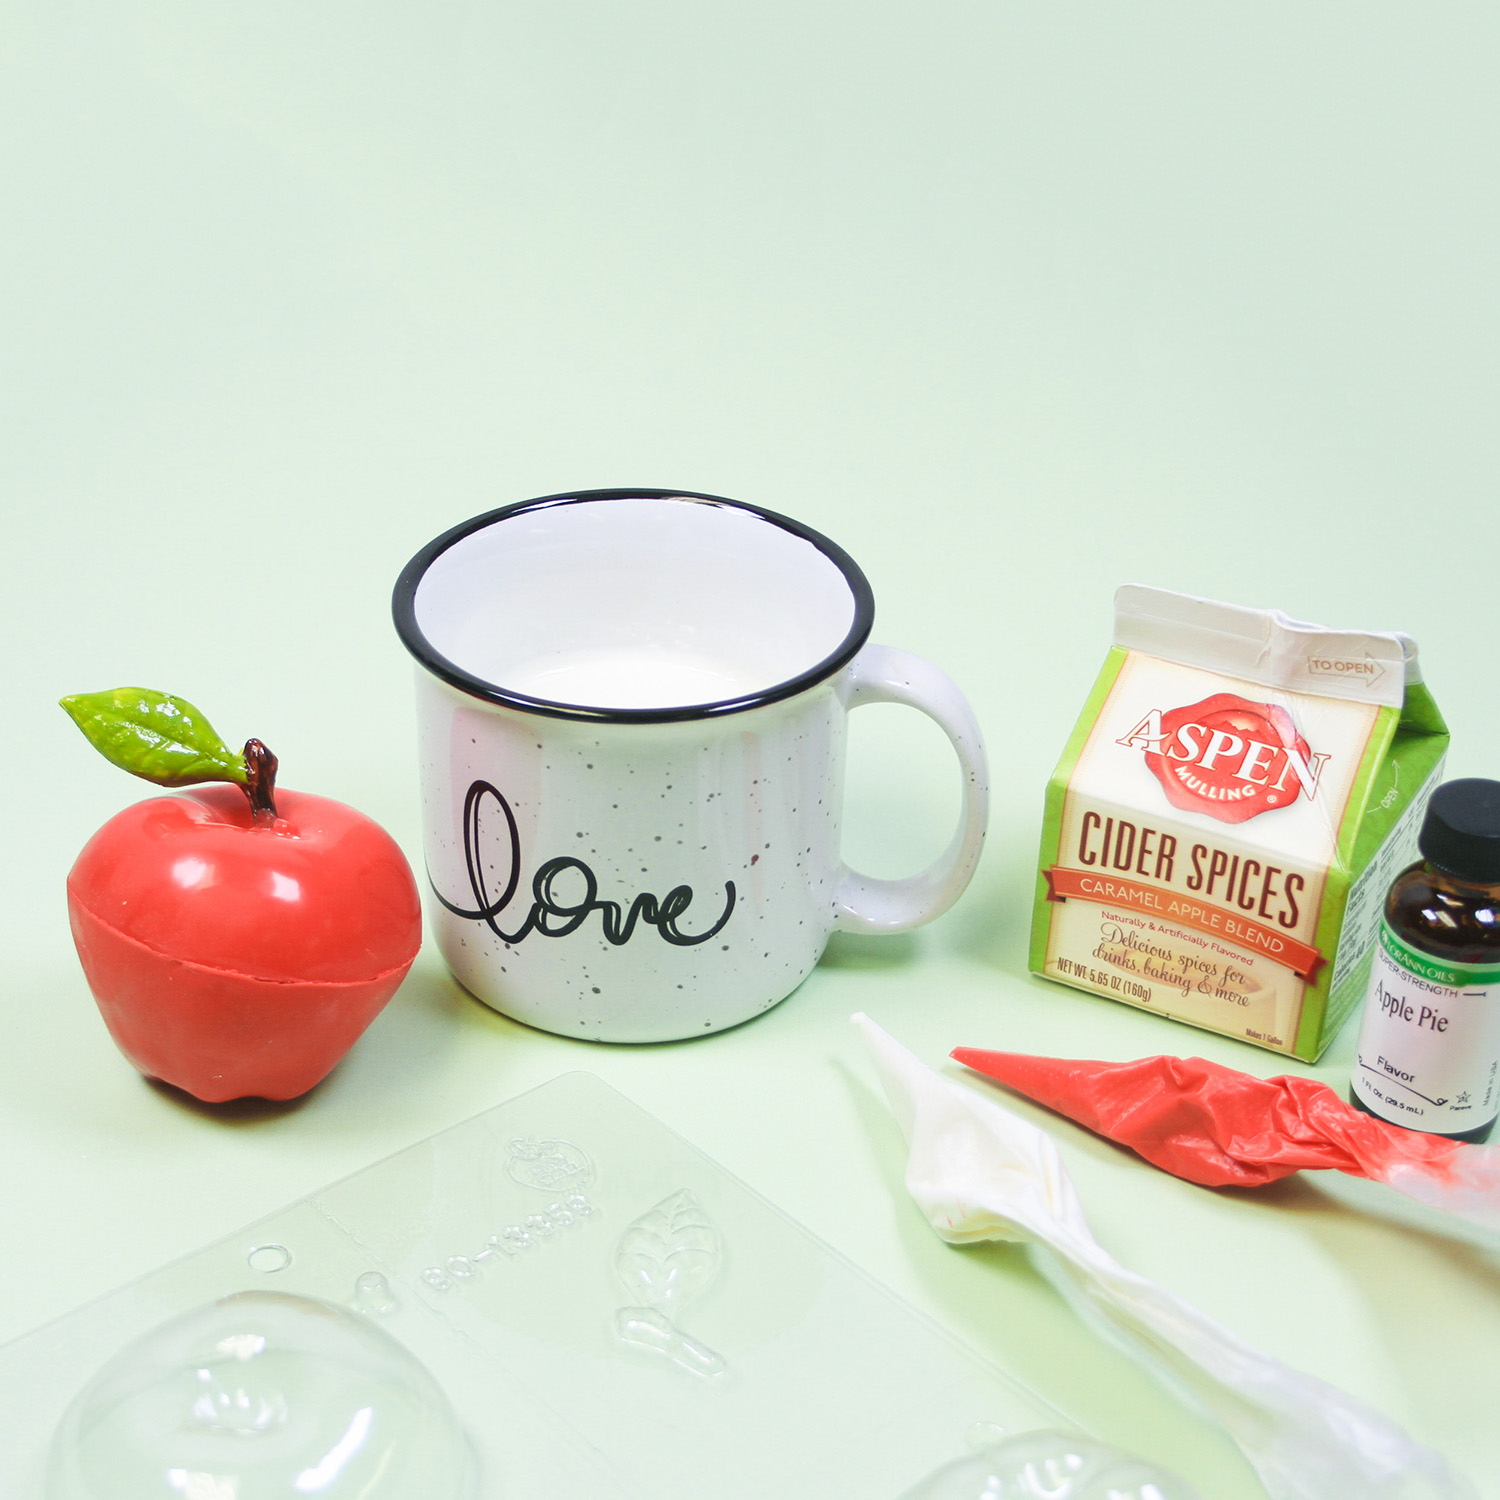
(632, 710)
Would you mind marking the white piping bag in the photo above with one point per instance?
(979, 1172)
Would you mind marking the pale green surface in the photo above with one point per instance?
(1015, 302)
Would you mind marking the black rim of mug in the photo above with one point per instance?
(403, 611)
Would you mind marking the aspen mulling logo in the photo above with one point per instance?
(1227, 757)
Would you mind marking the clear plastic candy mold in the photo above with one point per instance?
(598, 1308)
(261, 1396)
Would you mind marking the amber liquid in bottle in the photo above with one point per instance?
(1453, 920)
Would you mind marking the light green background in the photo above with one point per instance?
(1016, 302)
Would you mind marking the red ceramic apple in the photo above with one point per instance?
(237, 938)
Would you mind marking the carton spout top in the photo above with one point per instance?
(1265, 646)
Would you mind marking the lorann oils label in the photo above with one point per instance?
(1197, 832)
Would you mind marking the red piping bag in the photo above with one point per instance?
(1222, 1128)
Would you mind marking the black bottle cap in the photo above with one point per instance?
(1461, 833)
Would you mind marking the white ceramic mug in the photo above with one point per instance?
(632, 712)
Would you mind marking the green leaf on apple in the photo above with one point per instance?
(155, 736)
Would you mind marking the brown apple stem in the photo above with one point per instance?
(260, 788)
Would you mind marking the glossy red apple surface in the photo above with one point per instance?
(235, 954)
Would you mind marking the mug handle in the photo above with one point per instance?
(861, 903)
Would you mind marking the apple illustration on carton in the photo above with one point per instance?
(237, 938)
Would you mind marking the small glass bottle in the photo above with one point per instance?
(1428, 1055)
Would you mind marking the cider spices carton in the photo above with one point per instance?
(1237, 795)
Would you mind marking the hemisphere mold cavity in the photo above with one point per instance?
(261, 1396)
(1050, 1466)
